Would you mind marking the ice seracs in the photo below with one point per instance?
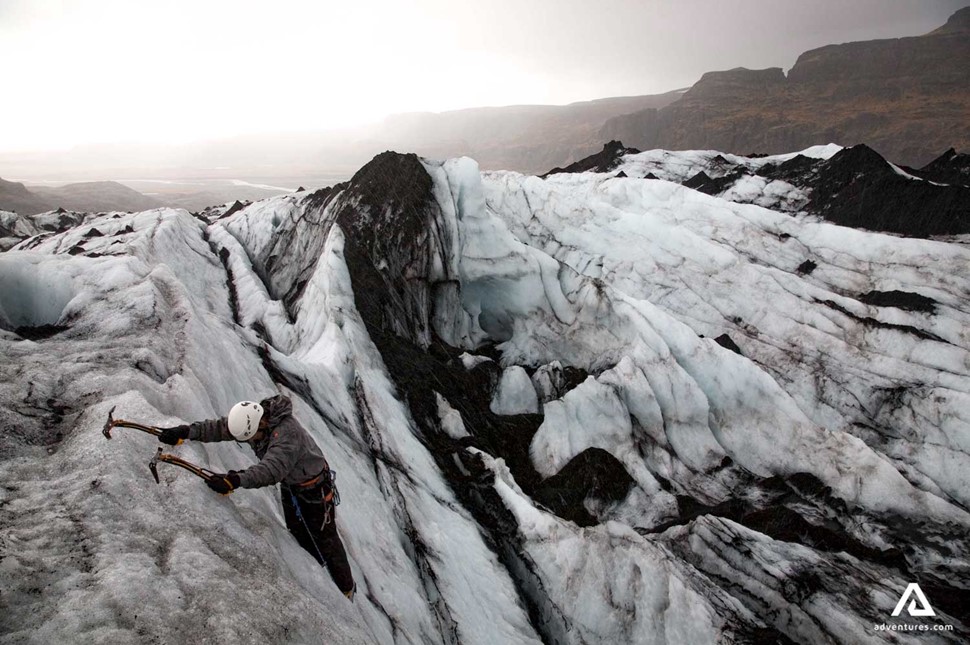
(515, 393)
(536, 436)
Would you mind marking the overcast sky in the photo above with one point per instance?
(83, 71)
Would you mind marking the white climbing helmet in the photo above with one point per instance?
(244, 420)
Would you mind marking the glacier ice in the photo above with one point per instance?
(515, 393)
(474, 352)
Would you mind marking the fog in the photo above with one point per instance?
(109, 88)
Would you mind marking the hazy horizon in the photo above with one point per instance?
(119, 73)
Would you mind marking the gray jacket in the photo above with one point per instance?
(287, 454)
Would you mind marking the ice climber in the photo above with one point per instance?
(288, 456)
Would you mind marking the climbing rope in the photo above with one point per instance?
(299, 514)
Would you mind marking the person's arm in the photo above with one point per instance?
(210, 430)
(280, 457)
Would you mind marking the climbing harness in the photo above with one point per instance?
(330, 501)
(327, 474)
(198, 471)
(112, 423)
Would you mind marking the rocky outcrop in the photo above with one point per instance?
(858, 188)
(737, 83)
(949, 168)
(854, 187)
(604, 161)
(907, 98)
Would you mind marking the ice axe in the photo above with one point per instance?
(112, 423)
(198, 471)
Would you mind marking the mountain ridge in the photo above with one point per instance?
(96, 196)
(907, 98)
(909, 118)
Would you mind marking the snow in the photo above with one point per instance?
(679, 166)
(752, 189)
(749, 188)
(826, 151)
(515, 393)
(471, 361)
(451, 421)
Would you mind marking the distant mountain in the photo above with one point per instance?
(96, 196)
(907, 98)
(16, 198)
(526, 138)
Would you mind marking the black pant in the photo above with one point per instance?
(317, 532)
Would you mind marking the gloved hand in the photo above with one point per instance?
(223, 483)
(174, 436)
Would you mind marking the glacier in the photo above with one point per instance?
(593, 407)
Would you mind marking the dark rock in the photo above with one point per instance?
(951, 167)
(858, 188)
(698, 181)
(872, 322)
(717, 185)
(736, 83)
(603, 161)
(797, 170)
(317, 198)
(726, 342)
(235, 208)
(224, 255)
(593, 475)
(774, 511)
(900, 299)
(806, 267)
(40, 332)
